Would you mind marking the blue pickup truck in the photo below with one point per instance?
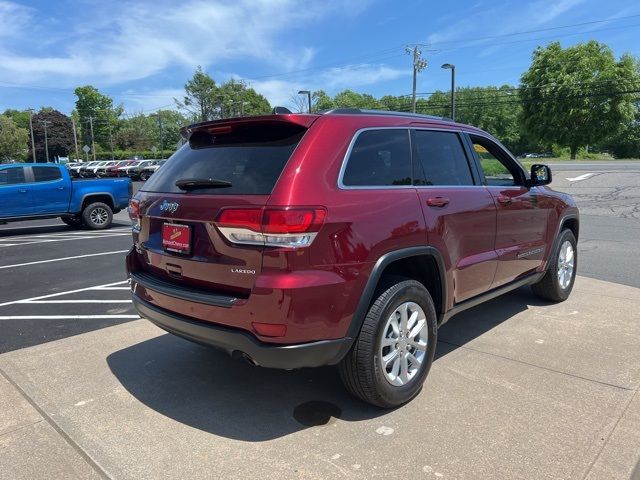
(32, 191)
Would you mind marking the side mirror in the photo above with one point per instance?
(540, 175)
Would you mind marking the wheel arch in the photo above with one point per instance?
(424, 264)
(103, 197)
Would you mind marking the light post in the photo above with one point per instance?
(449, 66)
(45, 124)
(308, 94)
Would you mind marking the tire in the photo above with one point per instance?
(362, 370)
(144, 176)
(554, 286)
(97, 216)
(72, 221)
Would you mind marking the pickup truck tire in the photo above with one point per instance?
(97, 216)
(399, 331)
(72, 221)
(557, 283)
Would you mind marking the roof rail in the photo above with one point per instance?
(355, 111)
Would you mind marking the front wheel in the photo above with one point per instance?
(393, 353)
(97, 216)
(557, 283)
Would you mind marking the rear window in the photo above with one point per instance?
(250, 157)
(46, 174)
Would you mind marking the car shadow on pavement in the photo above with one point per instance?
(44, 230)
(210, 391)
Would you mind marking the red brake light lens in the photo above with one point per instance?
(249, 218)
(295, 220)
(134, 209)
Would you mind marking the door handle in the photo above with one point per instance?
(61, 188)
(504, 200)
(438, 202)
(22, 190)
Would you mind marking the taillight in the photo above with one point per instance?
(134, 212)
(271, 226)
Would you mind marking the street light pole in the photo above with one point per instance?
(452, 67)
(308, 94)
(93, 143)
(45, 124)
(33, 143)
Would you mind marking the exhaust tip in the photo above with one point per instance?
(237, 354)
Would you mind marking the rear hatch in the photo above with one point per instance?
(224, 164)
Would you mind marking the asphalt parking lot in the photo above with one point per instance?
(519, 389)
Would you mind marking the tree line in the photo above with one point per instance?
(570, 101)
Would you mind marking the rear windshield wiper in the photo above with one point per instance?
(195, 183)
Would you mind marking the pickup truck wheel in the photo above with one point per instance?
(557, 283)
(144, 176)
(393, 353)
(72, 221)
(97, 216)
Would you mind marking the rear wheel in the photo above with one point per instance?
(144, 176)
(394, 351)
(557, 283)
(97, 216)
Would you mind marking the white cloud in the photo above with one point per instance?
(131, 42)
(13, 18)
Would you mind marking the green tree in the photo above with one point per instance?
(235, 98)
(94, 107)
(20, 117)
(200, 97)
(59, 134)
(577, 96)
(13, 140)
(321, 101)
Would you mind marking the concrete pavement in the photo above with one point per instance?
(520, 389)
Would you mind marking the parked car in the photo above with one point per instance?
(81, 169)
(151, 169)
(342, 238)
(102, 169)
(35, 191)
(112, 170)
(135, 169)
(124, 171)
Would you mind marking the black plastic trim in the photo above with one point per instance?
(376, 273)
(561, 222)
(237, 342)
(167, 288)
(496, 292)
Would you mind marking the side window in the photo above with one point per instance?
(12, 176)
(497, 172)
(379, 158)
(46, 174)
(442, 158)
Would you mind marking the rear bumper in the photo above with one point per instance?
(238, 343)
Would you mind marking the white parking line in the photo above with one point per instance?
(51, 295)
(60, 239)
(33, 226)
(74, 301)
(581, 177)
(61, 259)
(65, 317)
(113, 288)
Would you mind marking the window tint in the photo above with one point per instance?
(251, 157)
(495, 171)
(442, 158)
(379, 158)
(46, 174)
(11, 176)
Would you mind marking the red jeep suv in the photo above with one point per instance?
(345, 238)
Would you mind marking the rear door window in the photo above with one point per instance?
(250, 157)
(12, 176)
(442, 159)
(379, 158)
(46, 174)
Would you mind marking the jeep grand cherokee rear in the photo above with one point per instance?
(344, 238)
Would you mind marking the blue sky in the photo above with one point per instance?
(142, 52)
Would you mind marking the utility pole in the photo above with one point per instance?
(93, 143)
(75, 137)
(45, 124)
(419, 64)
(33, 143)
(161, 139)
(111, 141)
